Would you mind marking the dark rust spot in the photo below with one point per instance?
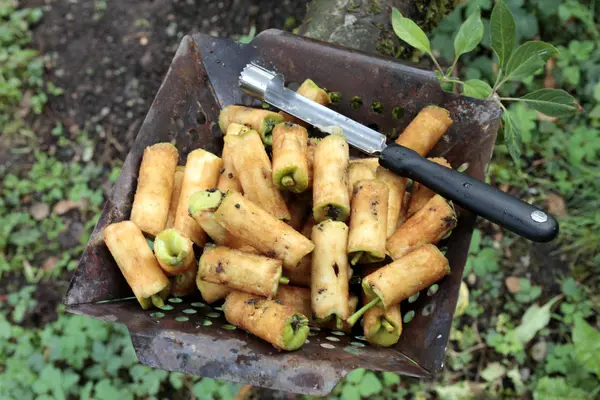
(237, 205)
(271, 254)
(219, 268)
(212, 190)
(308, 379)
(222, 171)
(321, 290)
(230, 175)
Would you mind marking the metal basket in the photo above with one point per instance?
(194, 337)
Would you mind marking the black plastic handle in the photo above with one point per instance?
(474, 195)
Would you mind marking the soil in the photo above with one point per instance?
(111, 61)
(109, 57)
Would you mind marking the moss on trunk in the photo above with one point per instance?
(366, 24)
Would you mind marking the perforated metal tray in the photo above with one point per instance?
(193, 337)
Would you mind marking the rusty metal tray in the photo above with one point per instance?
(203, 77)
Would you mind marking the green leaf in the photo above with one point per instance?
(477, 89)
(473, 5)
(370, 385)
(597, 91)
(557, 389)
(5, 328)
(569, 287)
(469, 35)
(526, 119)
(356, 375)
(493, 372)
(527, 59)
(583, 145)
(104, 390)
(515, 377)
(86, 392)
(248, 38)
(503, 32)
(176, 380)
(389, 378)
(227, 391)
(552, 102)
(560, 358)
(486, 261)
(572, 74)
(595, 112)
(534, 319)
(475, 241)
(587, 346)
(457, 391)
(512, 137)
(205, 388)
(408, 31)
(350, 392)
(527, 292)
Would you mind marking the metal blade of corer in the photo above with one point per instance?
(270, 87)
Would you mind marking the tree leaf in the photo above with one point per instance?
(551, 102)
(534, 319)
(409, 31)
(477, 89)
(512, 137)
(527, 59)
(469, 35)
(370, 385)
(503, 32)
(587, 346)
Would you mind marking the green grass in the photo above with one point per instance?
(21, 68)
(533, 342)
(48, 182)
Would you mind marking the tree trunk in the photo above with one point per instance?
(366, 24)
